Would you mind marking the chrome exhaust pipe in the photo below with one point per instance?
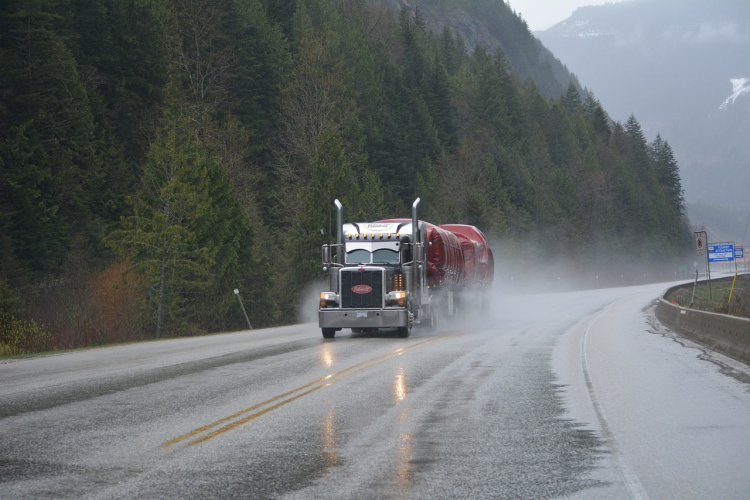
(415, 222)
(339, 230)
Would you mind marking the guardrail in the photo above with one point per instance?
(727, 334)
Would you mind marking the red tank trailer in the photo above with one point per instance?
(458, 255)
(479, 264)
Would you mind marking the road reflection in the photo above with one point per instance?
(327, 356)
(330, 442)
(405, 453)
(405, 444)
(399, 386)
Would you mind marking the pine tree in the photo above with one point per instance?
(53, 176)
(667, 171)
(598, 118)
(571, 101)
(260, 66)
(185, 236)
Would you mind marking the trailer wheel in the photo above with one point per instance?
(329, 333)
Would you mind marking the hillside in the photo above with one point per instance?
(156, 156)
(492, 25)
(683, 68)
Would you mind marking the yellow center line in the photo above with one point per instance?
(253, 416)
(251, 413)
(206, 427)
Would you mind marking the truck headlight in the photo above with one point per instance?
(396, 298)
(329, 299)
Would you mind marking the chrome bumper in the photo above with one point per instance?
(362, 318)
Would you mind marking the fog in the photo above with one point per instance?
(310, 299)
(541, 14)
(525, 268)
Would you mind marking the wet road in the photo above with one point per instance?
(578, 394)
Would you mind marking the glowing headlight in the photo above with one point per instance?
(396, 298)
(328, 299)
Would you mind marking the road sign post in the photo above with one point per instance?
(701, 241)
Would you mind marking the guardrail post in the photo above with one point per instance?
(242, 306)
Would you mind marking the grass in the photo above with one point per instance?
(716, 299)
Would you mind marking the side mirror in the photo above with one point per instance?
(326, 255)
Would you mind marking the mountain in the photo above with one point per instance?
(682, 67)
(493, 25)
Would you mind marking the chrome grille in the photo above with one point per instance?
(354, 277)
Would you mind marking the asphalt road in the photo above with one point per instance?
(580, 394)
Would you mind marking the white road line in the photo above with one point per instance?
(631, 480)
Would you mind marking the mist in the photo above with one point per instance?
(527, 268)
(522, 267)
(307, 312)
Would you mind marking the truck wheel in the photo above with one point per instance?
(329, 332)
(403, 331)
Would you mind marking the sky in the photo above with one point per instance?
(541, 14)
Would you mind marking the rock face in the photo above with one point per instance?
(682, 67)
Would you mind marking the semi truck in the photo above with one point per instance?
(397, 273)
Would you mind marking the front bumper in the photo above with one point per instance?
(363, 318)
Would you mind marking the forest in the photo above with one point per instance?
(155, 155)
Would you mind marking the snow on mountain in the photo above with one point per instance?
(669, 62)
(740, 87)
(581, 28)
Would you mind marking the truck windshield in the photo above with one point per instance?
(380, 256)
(358, 257)
(385, 256)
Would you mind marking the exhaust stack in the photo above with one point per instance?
(415, 223)
(339, 229)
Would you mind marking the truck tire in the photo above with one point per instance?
(403, 331)
(329, 333)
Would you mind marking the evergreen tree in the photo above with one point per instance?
(667, 171)
(598, 118)
(185, 236)
(260, 66)
(571, 101)
(53, 177)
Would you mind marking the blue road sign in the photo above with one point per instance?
(739, 253)
(721, 252)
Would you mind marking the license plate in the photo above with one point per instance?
(362, 314)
